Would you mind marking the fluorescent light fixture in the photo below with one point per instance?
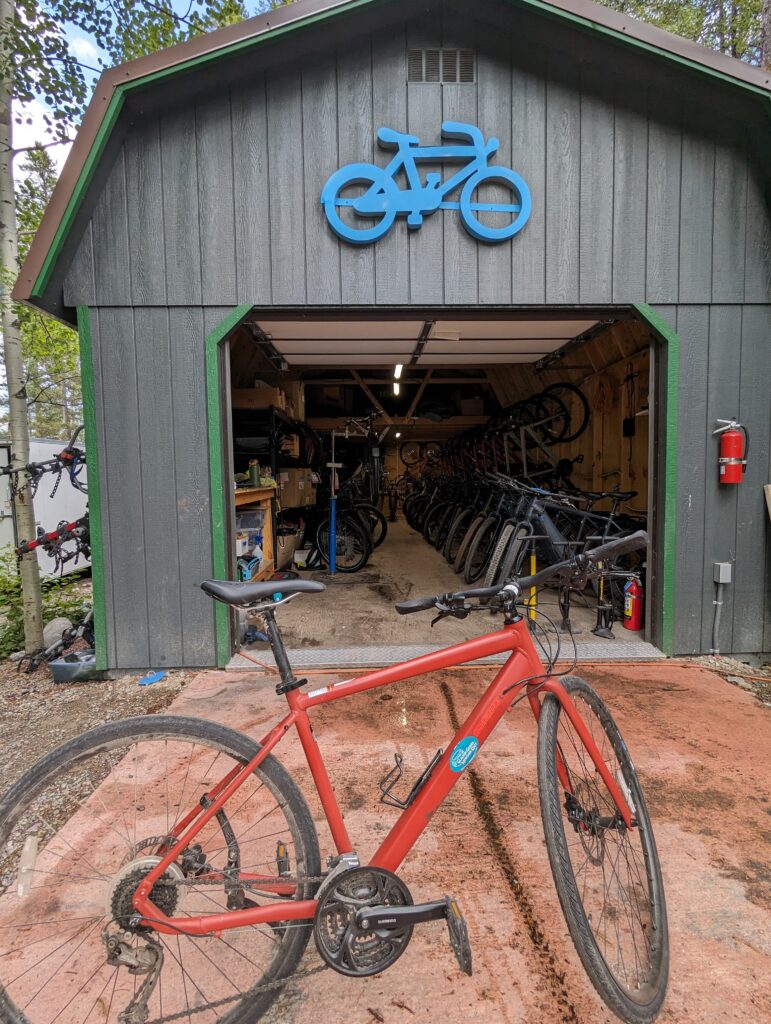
(398, 433)
(396, 387)
(398, 371)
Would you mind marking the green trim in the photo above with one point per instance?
(663, 330)
(116, 103)
(216, 476)
(559, 14)
(94, 493)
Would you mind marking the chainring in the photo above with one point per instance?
(346, 948)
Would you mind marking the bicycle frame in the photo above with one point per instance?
(522, 671)
(407, 157)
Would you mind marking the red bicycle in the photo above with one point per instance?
(165, 868)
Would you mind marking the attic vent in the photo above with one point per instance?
(439, 65)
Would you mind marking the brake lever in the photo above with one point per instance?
(460, 611)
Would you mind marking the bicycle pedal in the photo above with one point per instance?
(456, 926)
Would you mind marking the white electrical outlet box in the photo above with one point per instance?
(722, 572)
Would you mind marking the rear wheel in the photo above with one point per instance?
(353, 544)
(608, 877)
(80, 830)
(480, 549)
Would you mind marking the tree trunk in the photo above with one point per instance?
(765, 35)
(14, 364)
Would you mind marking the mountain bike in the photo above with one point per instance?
(377, 198)
(166, 868)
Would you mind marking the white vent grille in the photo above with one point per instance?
(440, 65)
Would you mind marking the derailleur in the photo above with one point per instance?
(146, 960)
(365, 919)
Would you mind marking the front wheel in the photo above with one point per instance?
(80, 830)
(608, 877)
(353, 544)
(495, 204)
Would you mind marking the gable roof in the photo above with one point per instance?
(116, 83)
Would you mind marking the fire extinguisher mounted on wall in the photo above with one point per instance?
(734, 448)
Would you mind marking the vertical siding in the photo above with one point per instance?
(216, 201)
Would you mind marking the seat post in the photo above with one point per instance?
(288, 680)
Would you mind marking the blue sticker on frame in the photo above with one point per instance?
(372, 198)
(464, 753)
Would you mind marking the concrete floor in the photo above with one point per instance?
(358, 608)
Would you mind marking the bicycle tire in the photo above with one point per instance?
(560, 389)
(456, 533)
(67, 765)
(499, 551)
(444, 526)
(516, 550)
(460, 558)
(480, 548)
(409, 453)
(376, 522)
(433, 519)
(351, 540)
(556, 737)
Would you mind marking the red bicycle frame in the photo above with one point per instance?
(522, 671)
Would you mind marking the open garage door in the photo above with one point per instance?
(538, 425)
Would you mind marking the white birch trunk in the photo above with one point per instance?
(14, 364)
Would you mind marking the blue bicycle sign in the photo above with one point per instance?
(362, 201)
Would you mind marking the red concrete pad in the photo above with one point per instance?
(700, 747)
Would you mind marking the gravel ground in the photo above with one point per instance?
(37, 715)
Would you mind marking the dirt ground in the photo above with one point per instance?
(701, 748)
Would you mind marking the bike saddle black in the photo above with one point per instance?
(243, 594)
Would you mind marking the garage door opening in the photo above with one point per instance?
(486, 442)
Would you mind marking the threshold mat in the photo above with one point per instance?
(309, 658)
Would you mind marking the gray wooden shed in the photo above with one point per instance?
(191, 196)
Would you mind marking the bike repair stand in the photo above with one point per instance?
(333, 468)
(604, 611)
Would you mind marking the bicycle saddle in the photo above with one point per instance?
(390, 137)
(243, 594)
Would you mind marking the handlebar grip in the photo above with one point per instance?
(418, 604)
(621, 546)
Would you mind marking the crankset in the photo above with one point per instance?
(365, 919)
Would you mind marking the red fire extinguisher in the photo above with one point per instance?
(633, 604)
(734, 446)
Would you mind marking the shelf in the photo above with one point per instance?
(253, 495)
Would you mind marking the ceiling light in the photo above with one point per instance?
(398, 371)
(396, 387)
(398, 433)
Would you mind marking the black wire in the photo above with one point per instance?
(548, 674)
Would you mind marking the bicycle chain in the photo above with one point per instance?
(255, 990)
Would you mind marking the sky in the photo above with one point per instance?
(84, 49)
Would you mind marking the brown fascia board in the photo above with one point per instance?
(299, 11)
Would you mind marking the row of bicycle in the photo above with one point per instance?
(487, 525)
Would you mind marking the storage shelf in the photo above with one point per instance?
(253, 495)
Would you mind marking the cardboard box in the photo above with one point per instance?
(258, 398)
(296, 488)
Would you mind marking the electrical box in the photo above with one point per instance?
(722, 572)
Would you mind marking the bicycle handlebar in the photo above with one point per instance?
(604, 552)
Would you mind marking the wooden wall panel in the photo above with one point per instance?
(112, 275)
(216, 201)
(320, 150)
(752, 524)
(595, 258)
(122, 494)
(251, 175)
(181, 235)
(144, 201)
(563, 170)
(285, 188)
